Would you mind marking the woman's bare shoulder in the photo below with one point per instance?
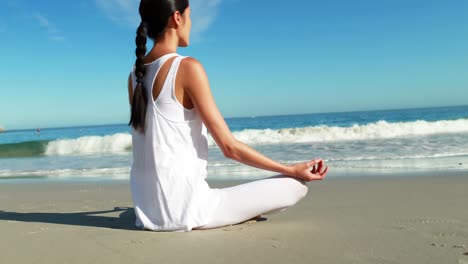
(191, 65)
(192, 72)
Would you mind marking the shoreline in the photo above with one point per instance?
(33, 179)
(341, 220)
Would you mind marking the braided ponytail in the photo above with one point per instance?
(154, 16)
(140, 95)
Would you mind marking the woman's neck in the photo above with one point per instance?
(168, 43)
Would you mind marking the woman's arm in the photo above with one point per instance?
(196, 84)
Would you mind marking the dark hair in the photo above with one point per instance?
(154, 18)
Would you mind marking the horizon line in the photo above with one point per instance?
(5, 130)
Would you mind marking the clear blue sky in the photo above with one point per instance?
(66, 63)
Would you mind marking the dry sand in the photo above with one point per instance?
(341, 220)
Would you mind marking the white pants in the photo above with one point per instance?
(266, 196)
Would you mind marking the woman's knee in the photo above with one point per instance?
(303, 189)
(297, 192)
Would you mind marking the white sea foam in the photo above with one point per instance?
(114, 173)
(233, 170)
(121, 142)
(117, 143)
(377, 130)
(122, 173)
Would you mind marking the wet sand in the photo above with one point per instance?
(341, 220)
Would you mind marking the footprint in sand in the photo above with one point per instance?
(39, 231)
(436, 245)
(427, 221)
(458, 234)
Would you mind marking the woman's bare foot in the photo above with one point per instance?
(256, 219)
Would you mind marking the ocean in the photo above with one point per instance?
(373, 143)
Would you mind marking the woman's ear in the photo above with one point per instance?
(176, 19)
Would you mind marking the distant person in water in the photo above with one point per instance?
(38, 131)
(172, 110)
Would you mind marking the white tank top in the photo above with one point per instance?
(168, 173)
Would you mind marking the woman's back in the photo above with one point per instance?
(168, 173)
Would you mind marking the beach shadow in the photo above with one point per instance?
(125, 221)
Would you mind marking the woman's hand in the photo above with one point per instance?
(304, 172)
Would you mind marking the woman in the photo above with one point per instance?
(172, 109)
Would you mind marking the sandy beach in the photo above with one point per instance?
(341, 220)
